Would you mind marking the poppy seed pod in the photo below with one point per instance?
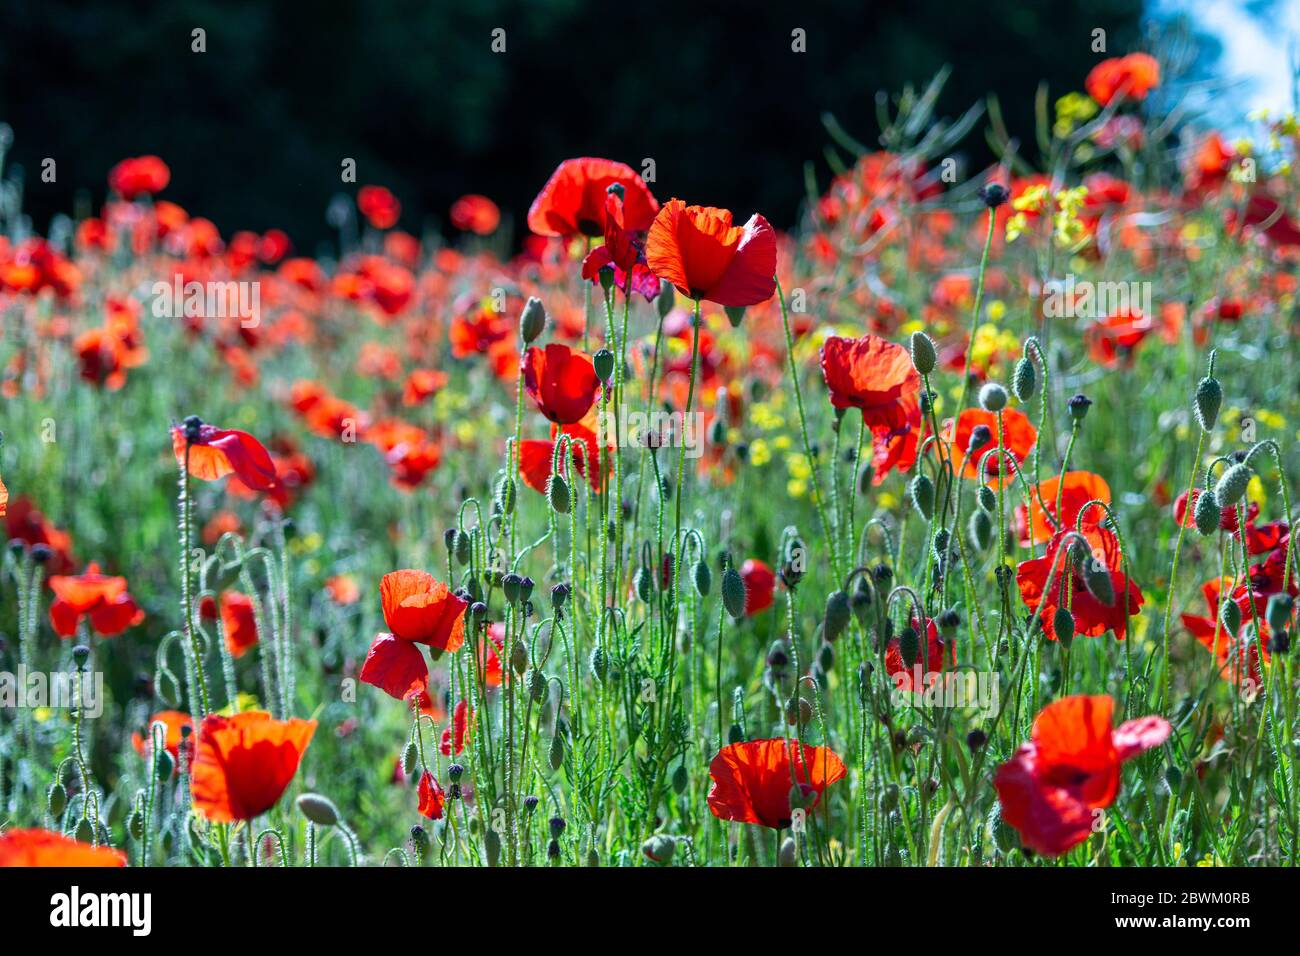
(477, 612)
(1207, 512)
(557, 493)
(1230, 617)
(923, 353)
(1232, 485)
(993, 397)
(837, 615)
(1078, 406)
(994, 194)
(1278, 613)
(703, 578)
(1024, 380)
(980, 436)
(603, 363)
(1209, 398)
(510, 587)
(532, 321)
(922, 494)
(1063, 626)
(318, 809)
(733, 593)
(559, 596)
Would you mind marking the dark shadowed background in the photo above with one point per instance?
(255, 128)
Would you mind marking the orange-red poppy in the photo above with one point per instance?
(44, 848)
(1070, 768)
(431, 798)
(343, 589)
(217, 452)
(421, 609)
(1112, 341)
(176, 722)
(396, 667)
(244, 763)
(1132, 77)
(103, 598)
(453, 736)
(379, 206)
(139, 176)
(561, 381)
(573, 200)
(238, 622)
(1092, 616)
(704, 256)
(760, 585)
(476, 214)
(536, 456)
(752, 780)
(1018, 437)
(939, 655)
(1080, 488)
(874, 375)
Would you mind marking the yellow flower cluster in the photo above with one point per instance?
(1072, 110)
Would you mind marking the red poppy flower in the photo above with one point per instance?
(140, 176)
(396, 667)
(489, 654)
(760, 583)
(25, 522)
(894, 449)
(379, 206)
(704, 256)
(536, 456)
(431, 799)
(103, 598)
(408, 451)
(476, 214)
(217, 452)
(874, 375)
(453, 736)
(4, 500)
(623, 252)
(44, 848)
(1239, 654)
(176, 721)
(244, 763)
(752, 780)
(1113, 340)
(561, 381)
(1132, 76)
(1260, 538)
(238, 621)
(1018, 437)
(1080, 488)
(938, 657)
(421, 384)
(421, 609)
(342, 589)
(573, 200)
(1092, 617)
(1070, 768)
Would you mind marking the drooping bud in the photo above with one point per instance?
(1232, 485)
(921, 490)
(1207, 512)
(603, 362)
(1078, 406)
(909, 646)
(505, 494)
(1024, 380)
(733, 593)
(410, 754)
(986, 499)
(980, 436)
(666, 299)
(1209, 399)
(703, 578)
(837, 615)
(1230, 617)
(557, 493)
(1096, 578)
(1278, 613)
(1063, 625)
(735, 314)
(532, 321)
(981, 529)
(318, 809)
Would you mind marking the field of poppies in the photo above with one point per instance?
(948, 526)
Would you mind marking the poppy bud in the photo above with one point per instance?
(80, 655)
(909, 646)
(994, 194)
(980, 436)
(1078, 406)
(477, 612)
(319, 810)
(680, 779)
(643, 581)
(419, 838)
(455, 772)
(1232, 485)
(703, 578)
(1003, 835)
(922, 492)
(986, 499)
(56, 800)
(492, 847)
(557, 826)
(1278, 612)
(1063, 625)
(660, 849)
(860, 601)
(733, 593)
(976, 739)
(535, 680)
(777, 656)
(1209, 398)
(801, 798)
(505, 496)
(135, 824)
(735, 314)
(598, 664)
(826, 656)
(86, 831)
(837, 615)
(526, 586)
(449, 540)
(1207, 512)
(603, 362)
(735, 735)
(993, 397)
(530, 804)
(1280, 642)
(923, 354)
(1230, 617)
(1024, 380)
(510, 587)
(1096, 578)
(163, 765)
(519, 657)
(882, 574)
(948, 622)
(559, 596)
(410, 754)
(193, 428)
(557, 493)
(532, 321)
(42, 553)
(666, 299)
(981, 529)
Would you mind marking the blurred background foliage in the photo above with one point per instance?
(255, 129)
